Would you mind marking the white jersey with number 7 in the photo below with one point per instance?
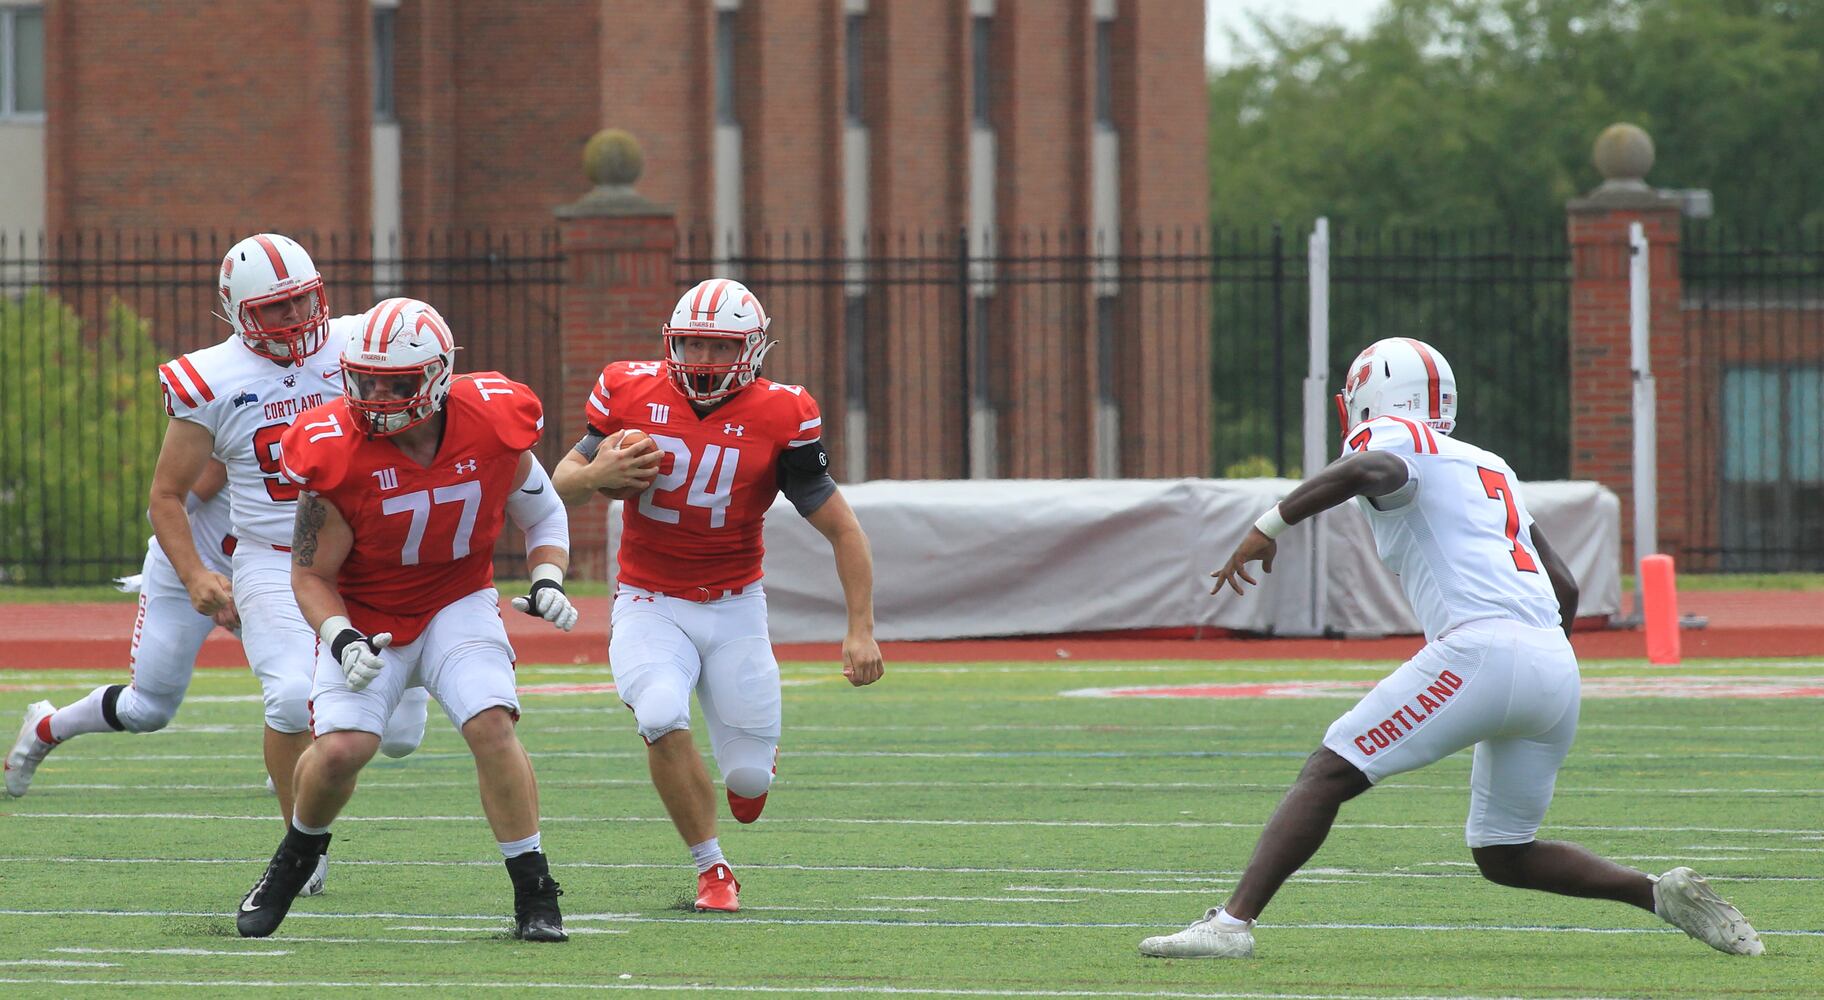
(1458, 533)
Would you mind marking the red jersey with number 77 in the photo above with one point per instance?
(1458, 533)
(699, 524)
(424, 534)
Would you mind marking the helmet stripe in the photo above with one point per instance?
(698, 300)
(377, 324)
(1433, 386)
(272, 254)
(715, 297)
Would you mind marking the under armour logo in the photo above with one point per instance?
(465, 467)
(734, 429)
(661, 412)
(389, 477)
(649, 599)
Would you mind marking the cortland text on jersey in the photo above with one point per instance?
(247, 401)
(698, 526)
(424, 534)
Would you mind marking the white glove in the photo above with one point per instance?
(358, 654)
(547, 599)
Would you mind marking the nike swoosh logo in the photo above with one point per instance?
(249, 907)
(533, 493)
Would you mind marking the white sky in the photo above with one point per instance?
(1222, 14)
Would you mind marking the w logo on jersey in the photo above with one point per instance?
(661, 412)
(464, 468)
(389, 478)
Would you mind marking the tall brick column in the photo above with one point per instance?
(1602, 421)
(619, 250)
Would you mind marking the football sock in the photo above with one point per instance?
(1224, 920)
(707, 855)
(514, 848)
(90, 715)
(309, 831)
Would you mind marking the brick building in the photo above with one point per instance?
(862, 123)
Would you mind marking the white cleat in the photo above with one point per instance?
(1203, 939)
(1683, 899)
(314, 887)
(28, 750)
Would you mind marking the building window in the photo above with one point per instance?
(21, 61)
(386, 23)
(981, 33)
(1772, 490)
(1105, 74)
(725, 67)
(852, 67)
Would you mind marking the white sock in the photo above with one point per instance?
(707, 855)
(309, 831)
(514, 848)
(81, 717)
(1224, 920)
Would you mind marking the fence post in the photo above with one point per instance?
(620, 253)
(1316, 412)
(1602, 379)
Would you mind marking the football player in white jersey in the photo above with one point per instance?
(167, 635)
(234, 401)
(1497, 671)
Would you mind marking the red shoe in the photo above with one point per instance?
(746, 810)
(718, 891)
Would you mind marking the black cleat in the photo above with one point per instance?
(292, 865)
(535, 913)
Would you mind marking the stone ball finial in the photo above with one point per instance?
(612, 158)
(1623, 153)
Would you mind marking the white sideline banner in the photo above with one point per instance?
(957, 559)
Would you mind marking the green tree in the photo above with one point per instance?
(80, 422)
(1482, 112)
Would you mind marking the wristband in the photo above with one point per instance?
(1271, 524)
(548, 571)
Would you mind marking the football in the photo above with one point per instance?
(632, 438)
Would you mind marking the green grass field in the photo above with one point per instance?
(957, 829)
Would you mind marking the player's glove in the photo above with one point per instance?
(358, 654)
(547, 599)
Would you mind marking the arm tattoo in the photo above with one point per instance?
(304, 529)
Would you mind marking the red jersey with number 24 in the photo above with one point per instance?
(699, 524)
(424, 534)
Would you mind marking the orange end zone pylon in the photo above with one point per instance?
(1659, 603)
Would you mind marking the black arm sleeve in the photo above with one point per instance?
(804, 477)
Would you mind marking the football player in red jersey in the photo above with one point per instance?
(407, 480)
(689, 612)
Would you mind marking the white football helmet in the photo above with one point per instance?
(721, 308)
(396, 374)
(1403, 377)
(269, 270)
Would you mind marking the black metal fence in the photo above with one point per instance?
(86, 319)
(1017, 354)
(1754, 398)
(1053, 354)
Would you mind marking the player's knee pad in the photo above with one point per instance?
(288, 705)
(748, 782)
(747, 761)
(659, 710)
(405, 729)
(140, 711)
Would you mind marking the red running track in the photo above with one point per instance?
(1742, 624)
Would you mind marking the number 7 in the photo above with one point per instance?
(1496, 486)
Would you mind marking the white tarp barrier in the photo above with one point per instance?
(971, 558)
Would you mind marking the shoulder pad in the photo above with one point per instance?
(314, 451)
(510, 408)
(1395, 434)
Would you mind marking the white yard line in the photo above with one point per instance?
(520, 985)
(907, 821)
(161, 951)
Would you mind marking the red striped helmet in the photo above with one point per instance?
(722, 309)
(396, 370)
(1403, 377)
(261, 274)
